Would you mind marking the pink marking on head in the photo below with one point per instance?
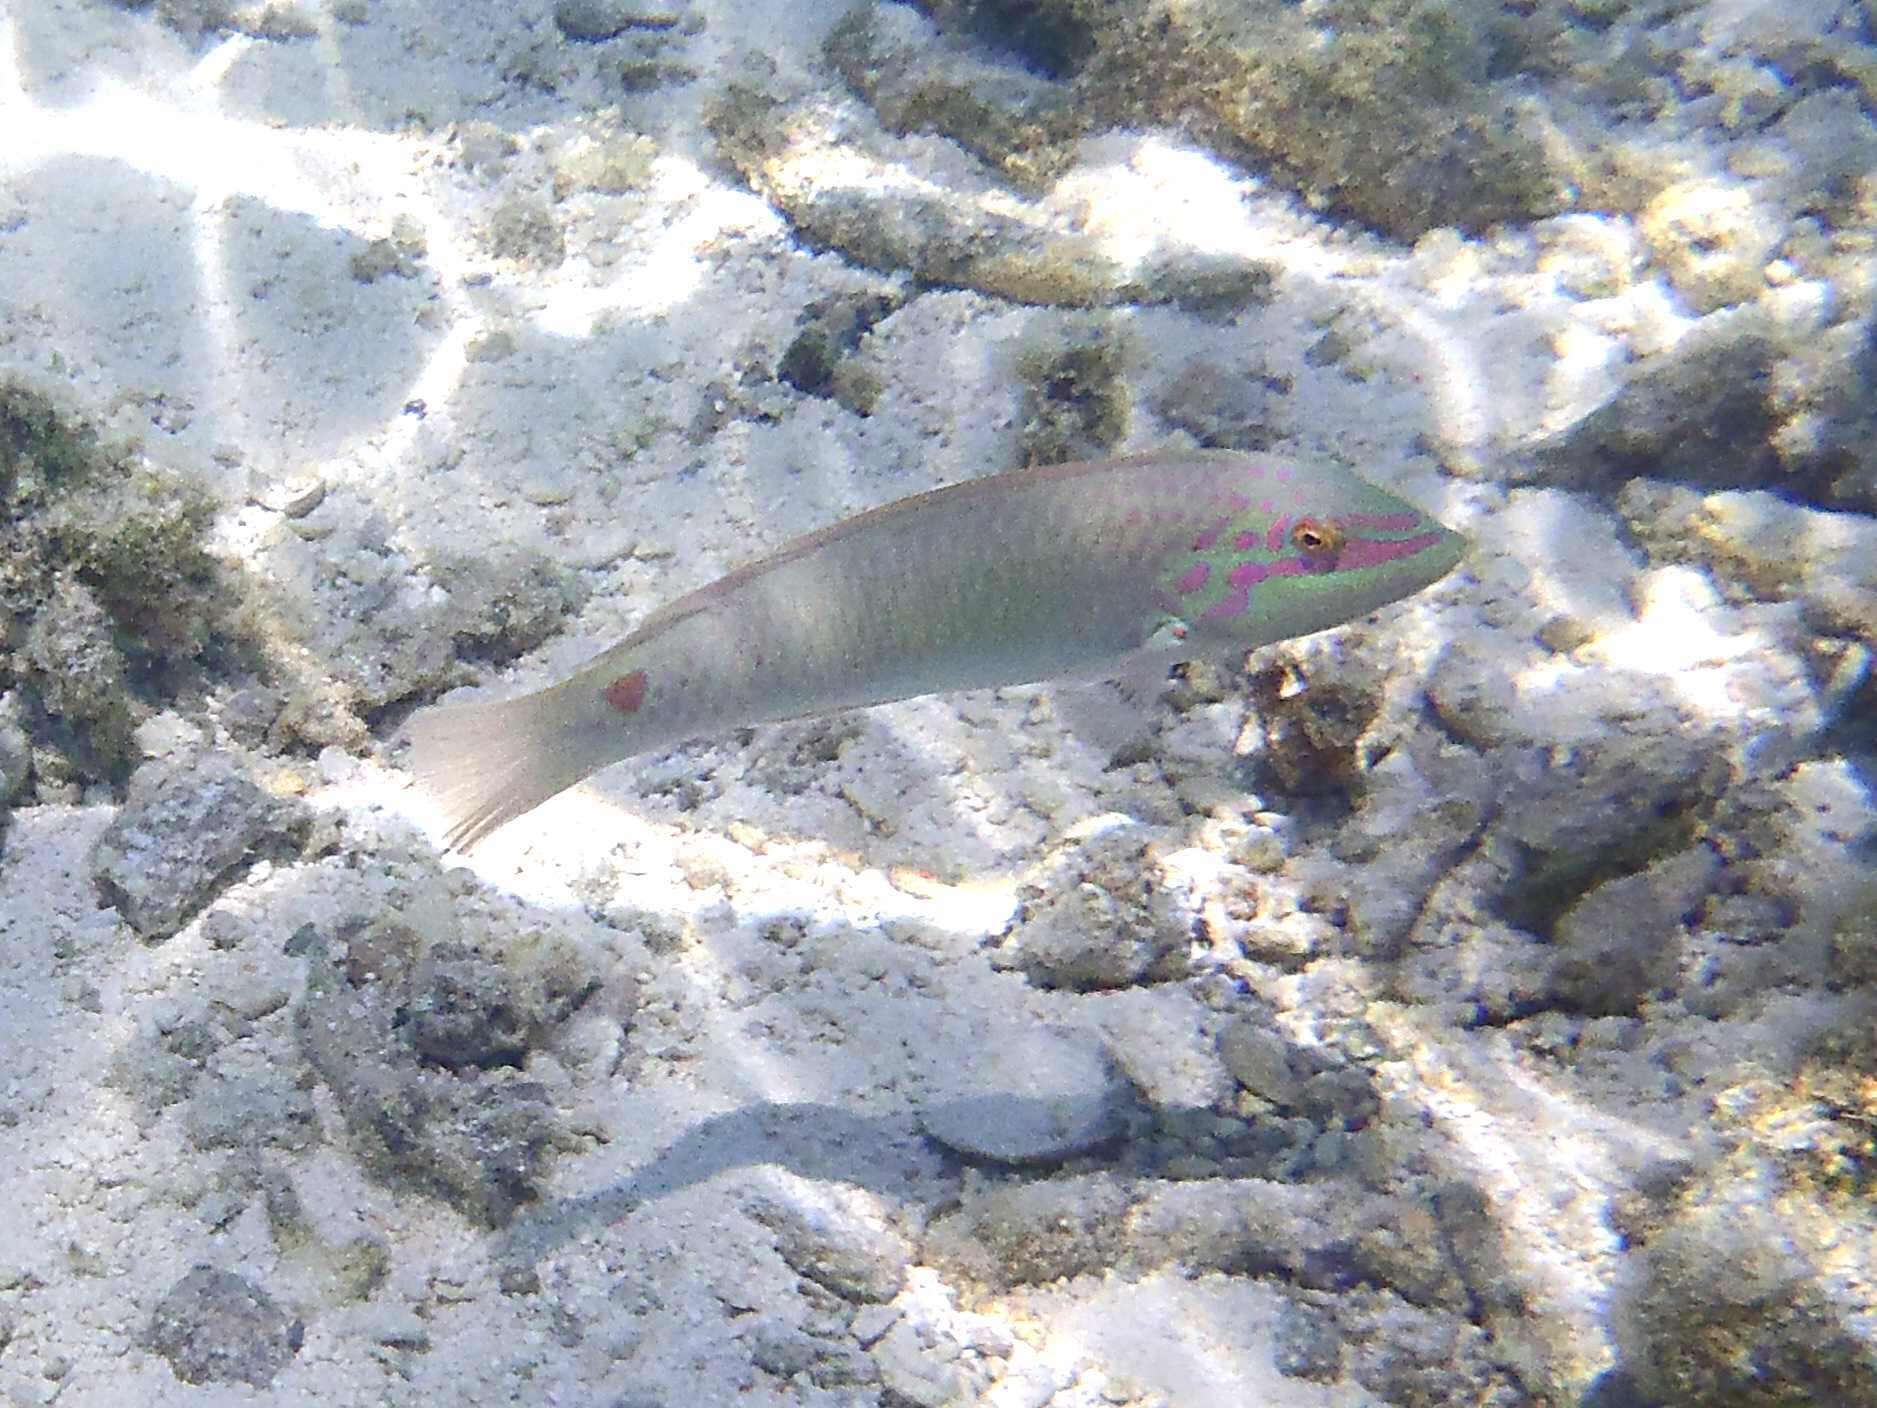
(1356, 553)
(1283, 474)
(1208, 538)
(1245, 542)
(1238, 502)
(1226, 607)
(1255, 470)
(1194, 579)
(1267, 506)
(1279, 530)
(627, 692)
(1243, 578)
(1373, 552)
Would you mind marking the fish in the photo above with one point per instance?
(1113, 568)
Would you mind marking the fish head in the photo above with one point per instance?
(1300, 549)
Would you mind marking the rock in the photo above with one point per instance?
(1097, 915)
(1460, 150)
(1158, 1038)
(246, 1112)
(440, 1109)
(591, 21)
(216, 1327)
(842, 1249)
(1766, 546)
(469, 1008)
(1228, 408)
(610, 164)
(526, 231)
(1422, 806)
(1725, 1311)
(1259, 1059)
(1622, 941)
(1615, 800)
(1305, 1343)
(385, 636)
(16, 750)
(1010, 1234)
(1714, 240)
(1032, 1096)
(1251, 1226)
(912, 1373)
(1411, 1357)
(1701, 412)
(81, 675)
(184, 834)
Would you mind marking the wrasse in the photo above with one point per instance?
(1105, 569)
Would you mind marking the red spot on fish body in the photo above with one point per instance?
(627, 692)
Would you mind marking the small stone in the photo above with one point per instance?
(245, 1112)
(496, 345)
(871, 1322)
(1623, 940)
(1259, 1059)
(1306, 1344)
(1589, 255)
(1099, 916)
(856, 1257)
(1031, 1233)
(779, 1349)
(546, 489)
(594, 21)
(1033, 1096)
(1714, 240)
(183, 835)
(485, 147)
(165, 735)
(16, 752)
(216, 1327)
(613, 165)
(524, 230)
(913, 1374)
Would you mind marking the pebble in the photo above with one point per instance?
(1037, 1096)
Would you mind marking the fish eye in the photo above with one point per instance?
(1317, 537)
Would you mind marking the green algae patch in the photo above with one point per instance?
(1386, 112)
(1402, 114)
(848, 187)
(110, 601)
(1076, 402)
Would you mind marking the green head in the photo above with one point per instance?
(1296, 548)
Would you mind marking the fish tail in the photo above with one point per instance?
(484, 764)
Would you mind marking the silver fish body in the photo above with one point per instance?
(1088, 569)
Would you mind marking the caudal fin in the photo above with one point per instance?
(486, 764)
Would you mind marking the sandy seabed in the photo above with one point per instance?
(1466, 1006)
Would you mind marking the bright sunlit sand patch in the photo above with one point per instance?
(1678, 635)
(542, 858)
(188, 138)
